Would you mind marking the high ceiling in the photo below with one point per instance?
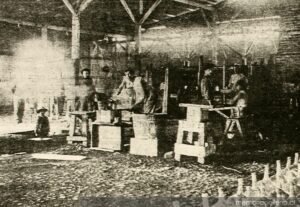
(100, 15)
(110, 15)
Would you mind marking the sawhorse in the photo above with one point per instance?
(231, 121)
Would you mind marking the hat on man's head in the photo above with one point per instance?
(41, 109)
(85, 69)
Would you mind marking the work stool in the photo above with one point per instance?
(231, 123)
(194, 144)
(80, 127)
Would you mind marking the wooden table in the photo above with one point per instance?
(86, 117)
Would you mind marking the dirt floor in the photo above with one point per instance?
(25, 181)
(28, 182)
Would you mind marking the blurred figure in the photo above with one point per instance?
(135, 90)
(19, 103)
(42, 126)
(207, 88)
(234, 78)
(86, 91)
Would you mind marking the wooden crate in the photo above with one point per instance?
(196, 115)
(77, 139)
(147, 126)
(110, 137)
(146, 147)
(105, 116)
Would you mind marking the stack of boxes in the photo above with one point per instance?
(146, 130)
(195, 124)
(109, 131)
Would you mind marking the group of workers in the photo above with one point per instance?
(143, 98)
(235, 91)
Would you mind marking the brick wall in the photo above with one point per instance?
(288, 56)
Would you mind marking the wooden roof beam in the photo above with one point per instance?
(84, 5)
(52, 27)
(150, 10)
(128, 10)
(195, 4)
(171, 16)
(69, 6)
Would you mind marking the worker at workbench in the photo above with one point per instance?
(135, 90)
(207, 88)
(240, 99)
(86, 91)
(234, 78)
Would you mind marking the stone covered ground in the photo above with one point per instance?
(25, 181)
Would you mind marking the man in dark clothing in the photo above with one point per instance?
(207, 87)
(86, 92)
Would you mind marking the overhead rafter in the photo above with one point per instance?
(150, 10)
(128, 10)
(84, 5)
(69, 6)
(51, 27)
(195, 4)
(173, 16)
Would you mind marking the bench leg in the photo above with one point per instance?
(177, 157)
(201, 160)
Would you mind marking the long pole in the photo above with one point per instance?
(224, 81)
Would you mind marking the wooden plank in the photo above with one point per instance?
(128, 10)
(222, 108)
(150, 10)
(195, 105)
(195, 4)
(69, 6)
(57, 157)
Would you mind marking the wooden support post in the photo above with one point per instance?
(266, 172)
(224, 81)
(254, 180)
(44, 33)
(166, 92)
(138, 48)
(288, 163)
(240, 187)
(76, 46)
(200, 65)
(141, 7)
(278, 168)
(138, 36)
(296, 159)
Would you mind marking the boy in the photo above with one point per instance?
(42, 126)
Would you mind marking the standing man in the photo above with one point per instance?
(85, 91)
(207, 87)
(19, 103)
(135, 90)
